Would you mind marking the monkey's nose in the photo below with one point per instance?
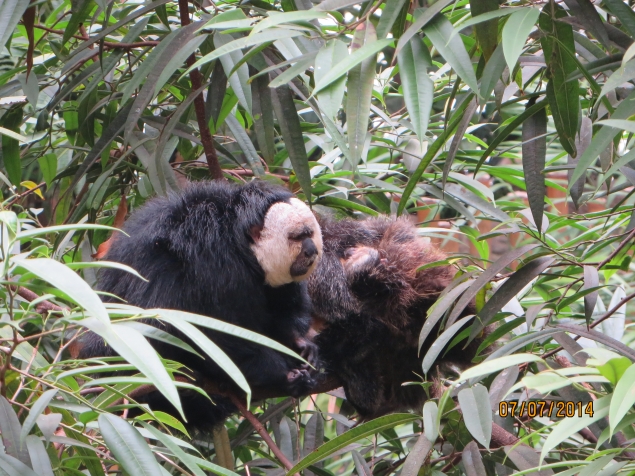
(309, 250)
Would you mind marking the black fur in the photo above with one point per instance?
(372, 303)
(194, 249)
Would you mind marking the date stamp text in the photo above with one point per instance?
(544, 408)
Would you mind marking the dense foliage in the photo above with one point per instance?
(503, 128)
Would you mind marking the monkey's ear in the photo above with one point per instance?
(255, 232)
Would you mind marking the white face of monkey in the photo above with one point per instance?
(289, 244)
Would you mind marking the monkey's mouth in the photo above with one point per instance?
(303, 266)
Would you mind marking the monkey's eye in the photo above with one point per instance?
(301, 235)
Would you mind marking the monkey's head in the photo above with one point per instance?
(288, 244)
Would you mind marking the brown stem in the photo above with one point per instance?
(30, 296)
(618, 249)
(107, 44)
(262, 431)
(199, 106)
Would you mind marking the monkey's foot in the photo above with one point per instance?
(360, 259)
(299, 382)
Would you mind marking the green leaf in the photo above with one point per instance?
(244, 142)
(354, 59)
(525, 458)
(509, 290)
(562, 94)
(277, 18)
(602, 138)
(11, 121)
(623, 13)
(332, 53)
(486, 276)
(128, 446)
(508, 129)
(10, 430)
(11, 12)
(239, 81)
(441, 343)
(477, 413)
(263, 117)
(289, 121)
(332, 5)
(614, 369)
(417, 456)
(40, 460)
(299, 68)
(68, 282)
(185, 458)
(567, 427)
(354, 434)
(389, 15)
(534, 155)
(440, 32)
(210, 348)
(80, 9)
(135, 349)
(515, 33)
(495, 365)
(430, 414)
(433, 149)
(418, 89)
(591, 281)
(623, 397)
(13, 135)
(421, 20)
(473, 461)
(486, 32)
(359, 89)
(36, 410)
(271, 35)
(162, 69)
(492, 73)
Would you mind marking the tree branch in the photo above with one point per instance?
(199, 106)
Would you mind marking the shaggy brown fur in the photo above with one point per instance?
(373, 303)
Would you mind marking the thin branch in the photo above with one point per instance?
(107, 44)
(262, 431)
(199, 106)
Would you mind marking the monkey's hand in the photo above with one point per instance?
(299, 382)
(308, 351)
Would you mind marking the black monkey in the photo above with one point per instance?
(239, 253)
(371, 302)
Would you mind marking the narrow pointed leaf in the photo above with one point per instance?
(563, 95)
(486, 32)
(68, 282)
(36, 410)
(422, 20)
(499, 265)
(534, 155)
(509, 290)
(603, 138)
(293, 139)
(473, 461)
(417, 456)
(10, 430)
(515, 33)
(332, 53)
(591, 280)
(440, 32)
(359, 89)
(437, 347)
(355, 58)
(477, 413)
(392, 9)
(354, 434)
(418, 89)
(128, 446)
